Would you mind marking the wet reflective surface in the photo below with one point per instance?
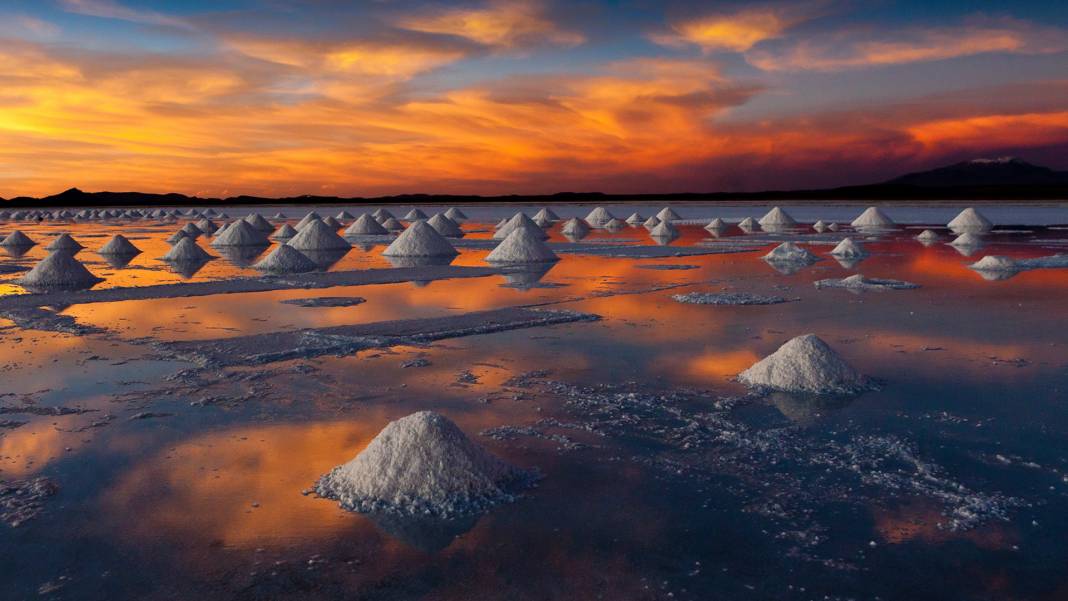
(663, 478)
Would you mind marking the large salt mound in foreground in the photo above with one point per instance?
(186, 251)
(422, 464)
(848, 248)
(285, 259)
(119, 245)
(872, 217)
(17, 239)
(65, 242)
(420, 240)
(805, 364)
(59, 270)
(521, 246)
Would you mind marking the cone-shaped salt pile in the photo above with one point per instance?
(224, 216)
(667, 214)
(285, 259)
(546, 214)
(716, 225)
(343, 216)
(747, 224)
(210, 213)
(240, 233)
(635, 219)
(455, 214)
(207, 226)
(415, 215)
(520, 220)
(176, 236)
(381, 215)
(970, 220)
(614, 224)
(819, 226)
(521, 246)
(191, 230)
(422, 464)
(967, 239)
(285, 232)
(65, 242)
(542, 222)
(848, 248)
(445, 226)
(500, 224)
(317, 235)
(119, 245)
(789, 252)
(873, 217)
(310, 217)
(258, 223)
(420, 240)
(805, 364)
(279, 216)
(393, 224)
(59, 270)
(833, 227)
(651, 222)
(664, 229)
(928, 236)
(575, 227)
(777, 216)
(995, 263)
(599, 217)
(365, 225)
(333, 223)
(187, 251)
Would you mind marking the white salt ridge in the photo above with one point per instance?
(284, 232)
(455, 214)
(873, 217)
(805, 364)
(365, 225)
(575, 227)
(598, 217)
(970, 220)
(422, 464)
(186, 251)
(727, 298)
(788, 252)
(240, 233)
(119, 245)
(667, 214)
(420, 240)
(848, 248)
(414, 215)
(861, 283)
(59, 270)
(777, 217)
(64, 242)
(317, 235)
(521, 246)
(285, 259)
(445, 226)
(519, 220)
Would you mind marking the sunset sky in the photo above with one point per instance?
(287, 97)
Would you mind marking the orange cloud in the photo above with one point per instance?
(1026, 130)
(736, 31)
(504, 23)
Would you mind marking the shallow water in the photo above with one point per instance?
(663, 478)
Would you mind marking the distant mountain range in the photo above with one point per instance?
(1005, 178)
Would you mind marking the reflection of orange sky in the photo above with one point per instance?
(919, 521)
(28, 449)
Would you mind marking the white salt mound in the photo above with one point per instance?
(285, 259)
(191, 230)
(186, 251)
(833, 227)
(805, 364)
(445, 226)
(970, 220)
(310, 217)
(777, 216)
(788, 252)
(575, 227)
(519, 220)
(176, 236)
(259, 223)
(615, 224)
(748, 224)
(848, 248)
(317, 235)
(119, 245)
(382, 215)
(59, 270)
(819, 226)
(414, 215)
(64, 242)
(343, 216)
(422, 464)
(995, 263)
(240, 233)
(599, 217)
(455, 214)
(928, 236)
(284, 232)
(664, 229)
(365, 225)
(635, 219)
(651, 222)
(860, 283)
(333, 223)
(667, 214)
(546, 214)
(207, 226)
(420, 240)
(392, 224)
(967, 239)
(716, 224)
(873, 217)
(521, 246)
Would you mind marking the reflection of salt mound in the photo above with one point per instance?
(777, 217)
(575, 227)
(716, 225)
(445, 226)
(664, 229)
(519, 220)
(186, 251)
(240, 233)
(17, 239)
(805, 364)
(422, 464)
(873, 217)
(667, 214)
(285, 232)
(927, 236)
(528, 276)
(748, 224)
(599, 217)
(317, 235)
(860, 283)
(788, 252)
(635, 219)
(285, 259)
(455, 214)
(521, 246)
(365, 225)
(832, 227)
(65, 242)
(119, 245)
(967, 240)
(970, 220)
(59, 270)
(414, 215)
(848, 248)
(420, 240)
(241, 256)
(429, 534)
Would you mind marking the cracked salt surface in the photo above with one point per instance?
(728, 298)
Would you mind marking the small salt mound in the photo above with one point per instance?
(65, 242)
(445, 226)
(420, 240)
(259, 224)
(861, 283)
(500, 224)
(285, 259)
(635, 219)
(651, 222)
(393, 224)
(415, 215)
(848, 248)
(285, 232)
(59, 270)
(970, 220)
(176, 236)
(382, 215)
(995, 263)
(873, 217)
(928, 236)
(240, 233)
(575, 227)
(599, 217)
(542, 222)
(210, 213)
(615, 224)
(310, 217)
(455, 214)
(547, 215)
(667, 214)
(317, 235)
(805, 364)
(207, 226)
(967, 240)
(664, 229)
(748, 224)
(186, 251)
(521, 246)
(280, 216)
(832, 227)
(819, 226)
(422, 464)
(519, 220)
(365, 225)
(333, 223)
(788, 252)
(716, 224)
(191, 230)
(343, 216)
(777, 217)
(119, 245)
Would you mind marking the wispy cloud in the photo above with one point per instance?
(111, 9)
(502, 23)
(739, 30)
